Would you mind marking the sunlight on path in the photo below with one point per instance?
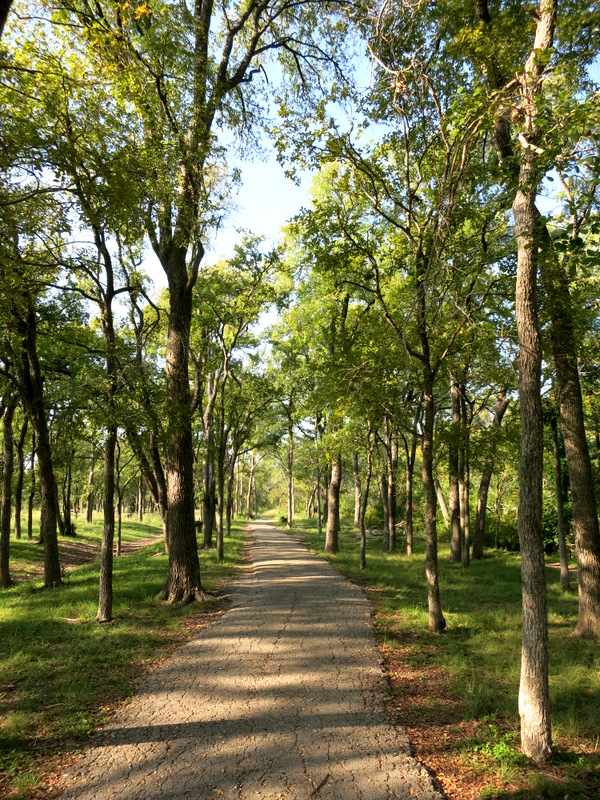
(282, 698)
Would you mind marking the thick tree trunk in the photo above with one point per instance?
(502, 402)
(534, 705)
(7, 476)
(437, 623)
(454, 497)
(105, 592)
(183, 579)
(20, 476)
(585, 514)
(333, 512)
(31, 387)
(560, 511)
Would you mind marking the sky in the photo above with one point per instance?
(266, 200)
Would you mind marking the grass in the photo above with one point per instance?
(465, 682)
(60, 672)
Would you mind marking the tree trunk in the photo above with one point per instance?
(183, 579)
(585, 514)
(32, 490)
(90, 493)
(231, 493)
(442, 501)
(392, 459)
(410, 471)
(502, 402)
(7, 476)
(319, 497)
(560, 511)
(383, 493)
(437, 623)
(208, 483)
(290, 466)
(105, 592)
(464, 479)
(534, 704)
(249, 492)
(20, 476)
(365, 500)
(333, 512)
(453, 449)
(31, 388)
(357, 490)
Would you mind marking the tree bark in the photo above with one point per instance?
(357, 490)
(105, 590)
(534, 704)
(90, 493)
(560, 511)
(442, 501)
(333, 512)
(32, 489)
(464, 479)
(290, 476)
(585, 513)
(453, 449)
(502, 402)
(20, 476)
(31, 388)
(365, 499)
(7, 476)
(183, 578)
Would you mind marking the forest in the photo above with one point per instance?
(416, 357)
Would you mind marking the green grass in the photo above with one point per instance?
(480, 652)
(61, 672)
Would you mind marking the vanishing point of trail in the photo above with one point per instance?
(282, 698)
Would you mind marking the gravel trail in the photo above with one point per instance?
(282, 698)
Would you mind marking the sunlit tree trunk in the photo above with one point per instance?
(453, 449)
(333, 513)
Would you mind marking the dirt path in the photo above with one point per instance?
(282, 698)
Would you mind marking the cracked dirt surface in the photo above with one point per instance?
(282, 698)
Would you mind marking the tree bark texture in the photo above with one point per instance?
(585, 514)
(534, 705)
(453, 448)
(560, 511)
(20, 476)
(183, 579)
(357, 489)
(7, 476)
(502, 402)
(333, 513)
(31, 388)
(105, 591)
(290, 476)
